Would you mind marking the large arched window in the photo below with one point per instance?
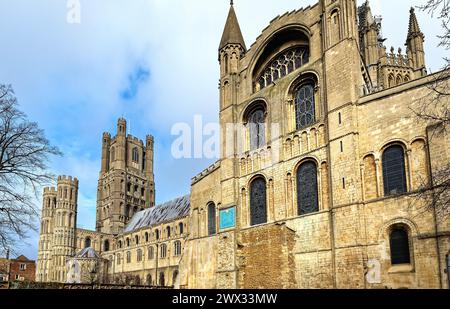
(139, 255)
(177, 248)
(305, 114)
(87, 242)
(258, 201)
(119, 258)
(106, 245)
(394, 174)
(128, 257)
(151, 253)
(212, 219)
(307, 193)
(399, 245)
(135, 155)
(163, 252)
(257, 128)
(180, 228)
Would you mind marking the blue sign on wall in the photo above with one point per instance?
(227, 218)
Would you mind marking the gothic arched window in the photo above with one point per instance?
(106, 245)
(307, 193)
(157, 234)
(87, 242)
(146, 237)
(177, 248)
(257, 128)
(135, 155)
(139, 255)
(212, 219)
(399, 244)
(394, 174)
(128, 257)
(163, 252)
(168, 231)
(151, 253)
(305, 114)
(118, 258)
(180, 227)
(258, 202)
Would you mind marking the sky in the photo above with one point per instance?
(153, 62)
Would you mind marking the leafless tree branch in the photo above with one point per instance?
(24, 155)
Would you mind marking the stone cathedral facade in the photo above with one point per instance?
(315, 186)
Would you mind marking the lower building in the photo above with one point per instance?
(18, 269)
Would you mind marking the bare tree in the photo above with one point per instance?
(24, 154)
(434, 109)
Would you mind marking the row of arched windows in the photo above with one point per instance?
(305, 113)
(151, 253)
(169, 232)
(394, 179)
(307, 193)
(397, 80)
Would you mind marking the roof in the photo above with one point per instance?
(88, 253)
(175, 209)
(232, 33)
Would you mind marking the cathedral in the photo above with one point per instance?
(316, 183)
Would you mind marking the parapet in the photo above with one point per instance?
(68, 180)
(50, 191)
(206, 172)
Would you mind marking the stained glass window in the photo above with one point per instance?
(211, 219)
(258, 202)
(307, 193)
(284, 64)
(399, 244)
(305, 114)
(256, 122)
(394, 175)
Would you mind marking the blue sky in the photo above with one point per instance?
(153, 62)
